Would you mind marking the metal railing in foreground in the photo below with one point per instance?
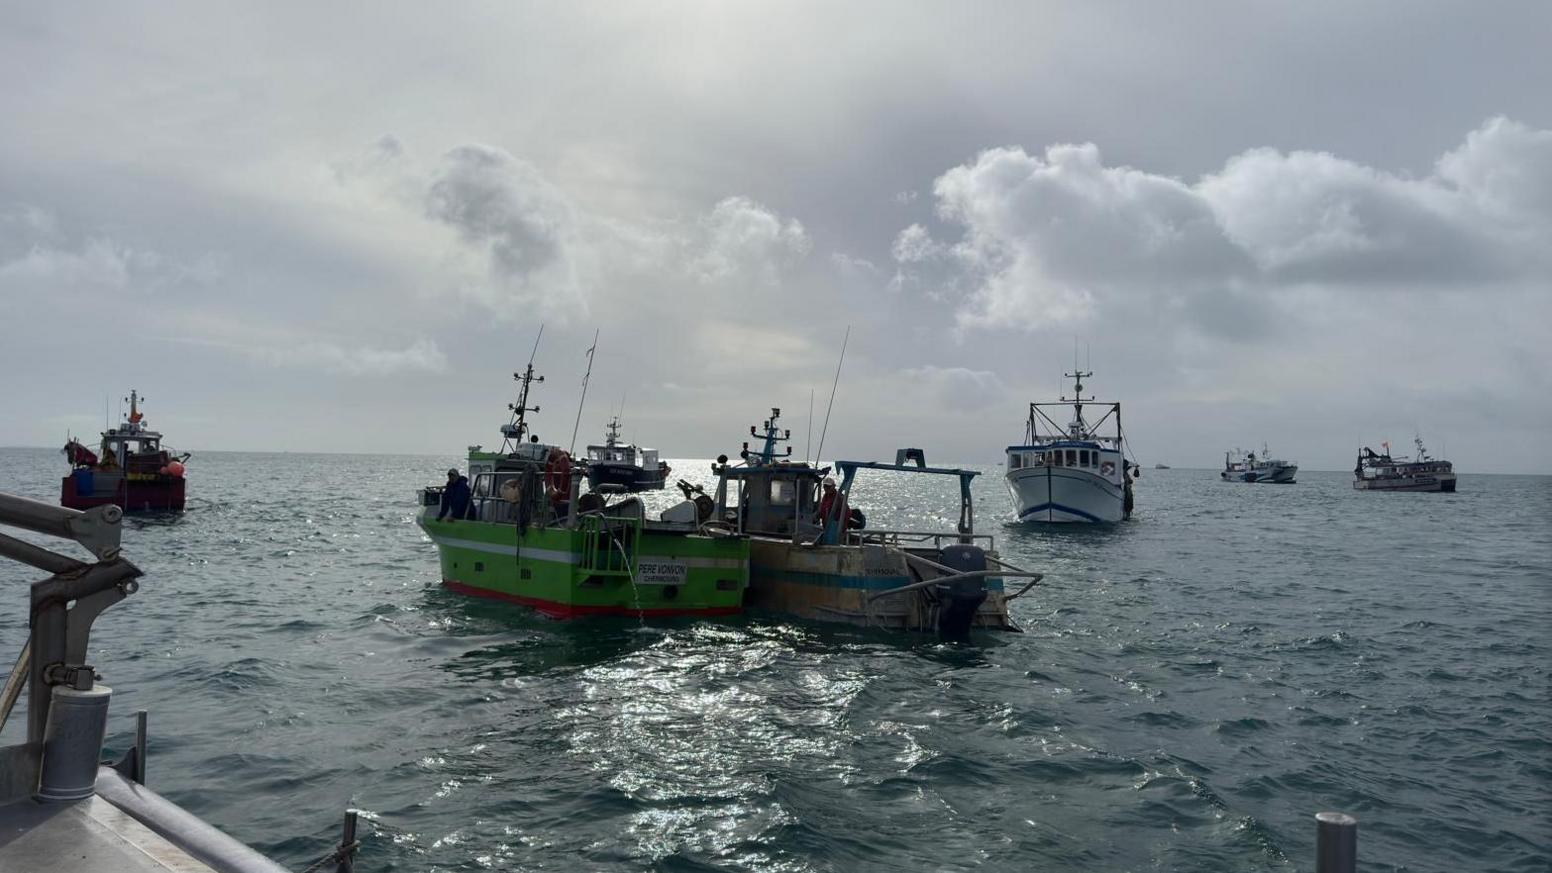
(55, 652)
(67, 711)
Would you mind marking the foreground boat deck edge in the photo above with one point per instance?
(97, 835)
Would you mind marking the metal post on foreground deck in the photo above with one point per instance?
(1336, 843)
(348, 844)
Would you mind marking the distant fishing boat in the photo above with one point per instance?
(531, 536)
(1242, 466)
(130, 469)
(1378, 471)
(1161, 466)
(624, 464)
(1072, 473)
(812, 555)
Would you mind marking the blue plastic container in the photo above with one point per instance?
(84, 485)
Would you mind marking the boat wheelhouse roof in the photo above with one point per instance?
(776, 469)
(620, 447)
(1095, 443)
(850, 467)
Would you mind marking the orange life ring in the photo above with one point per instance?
(557, 475)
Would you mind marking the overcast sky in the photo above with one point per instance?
(338, 227)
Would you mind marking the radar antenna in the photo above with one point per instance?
(1079, 428)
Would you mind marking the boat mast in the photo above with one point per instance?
(1078, 427)
(773, 435)
(512, 433)
(518, 428)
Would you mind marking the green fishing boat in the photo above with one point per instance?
(528, 533)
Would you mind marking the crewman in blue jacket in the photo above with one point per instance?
(455, 497)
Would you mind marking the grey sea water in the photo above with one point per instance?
(1192, 687)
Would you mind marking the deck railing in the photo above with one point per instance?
(60, 614)
(918, 539)
(609, 544)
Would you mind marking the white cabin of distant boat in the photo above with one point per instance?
(613, 451)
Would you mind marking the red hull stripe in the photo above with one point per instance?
(566, 610)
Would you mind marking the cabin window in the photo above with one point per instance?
(1083, 458)
(1015, 461)
(782, 492)
(1072, 458)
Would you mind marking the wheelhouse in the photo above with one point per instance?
(629, 455)
(782, 500)
(775, 500)
(1089, 456)
(126, 446)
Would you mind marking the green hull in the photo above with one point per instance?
(569, 573)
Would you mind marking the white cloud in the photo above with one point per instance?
(519, 245)
(97, 262)
(916, 253)
(1505, 168)
(1049, 239)
(914, 245)
(39, 254)
(742, 238)
(522, 229)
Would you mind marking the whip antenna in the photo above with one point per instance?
(836, 384)
(588, 375)
(810, 442)
(535, 351)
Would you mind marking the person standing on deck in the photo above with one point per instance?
(832, 511)
(455, 497)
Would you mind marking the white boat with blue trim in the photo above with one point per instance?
(1075, 473)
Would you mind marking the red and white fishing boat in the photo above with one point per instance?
(130, 469)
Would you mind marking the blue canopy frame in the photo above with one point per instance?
(966, 503)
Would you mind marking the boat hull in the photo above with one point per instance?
(132, 492)
(564, 573)
(628, 476)
(1438, 482)
(1065, 495)
(841, 584)
(1282, 475)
